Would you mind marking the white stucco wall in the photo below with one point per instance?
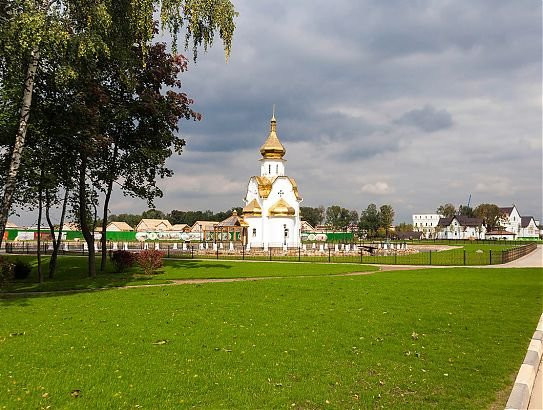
(270, 230)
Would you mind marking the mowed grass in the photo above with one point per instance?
(440, 338)
(71, 274)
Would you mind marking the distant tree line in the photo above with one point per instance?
(372, 221)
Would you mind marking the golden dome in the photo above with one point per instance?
(272, 148)
(252, 209)
(282, 208)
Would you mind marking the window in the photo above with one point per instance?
(277, 169)
(254, 232)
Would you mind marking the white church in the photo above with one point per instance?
(272, 202)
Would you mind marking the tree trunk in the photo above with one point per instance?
(11, 178)
(40, 212)
(105, 212)
(58, 240)
(83, 217)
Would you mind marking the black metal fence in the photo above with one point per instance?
(453, 257)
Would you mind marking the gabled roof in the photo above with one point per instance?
(307, 227)
(265, 185)
(10, 225)
(122, 226)
(206, 226)
(154, 223)
(525, 221)
(507, 210)
(462, 221)
(179, 227)
(232, 220)
(500, 232)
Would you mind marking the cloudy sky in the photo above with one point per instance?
(413, 103)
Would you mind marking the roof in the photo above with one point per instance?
(462, 220)
(252, 209)
(123, 226)
(153, 223)
(272, 147)
(179, 227)
(70, 226)
(265, 185)
(500, 232)
(525, 221)
(281, 208)
(408, 235)
(233, 220)
(307, 227)
(206, 225)
(10, 225)
(507, 210)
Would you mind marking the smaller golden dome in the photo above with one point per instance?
(281, 208)
(252, 209)
(272, 148)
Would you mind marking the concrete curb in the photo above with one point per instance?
(524, 383)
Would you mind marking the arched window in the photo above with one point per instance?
(269, 169)
(277, 169)
(254, 232)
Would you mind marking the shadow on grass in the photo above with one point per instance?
(71, 277)
(195, 264)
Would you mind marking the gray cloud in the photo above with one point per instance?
(352, 83)
(427, 119)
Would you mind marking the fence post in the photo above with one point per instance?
(503, 256)
(329, 255)
(360, 255)
(464, 257)
(395, 257)
(490, 257)
(242, 252)
(270, 253)
(430, 258)
(168, 250)
(299, 254)
(217, 251)
(192, 252)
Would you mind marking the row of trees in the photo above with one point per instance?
(370, 220)
(90, 102)
(491, 214)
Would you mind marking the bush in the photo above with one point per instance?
(122, 260)
(21, 269)
(6, 271)
(150, 260)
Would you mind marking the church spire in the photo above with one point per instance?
(272, 148)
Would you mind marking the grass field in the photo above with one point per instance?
(72, 273)
(441, 338)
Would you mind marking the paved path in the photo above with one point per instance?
(532, 260)
(536, 400)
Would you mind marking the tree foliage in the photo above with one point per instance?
(447, 210)
(491, 215)
(314, 216)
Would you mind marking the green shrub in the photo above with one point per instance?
(6, 271)
(21, 269)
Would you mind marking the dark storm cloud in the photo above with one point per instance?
(427, 119)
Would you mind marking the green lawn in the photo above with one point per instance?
(441, 338)
(71, 272)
